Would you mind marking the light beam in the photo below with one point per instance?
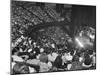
(79, 42)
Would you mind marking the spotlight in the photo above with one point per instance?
(80, 44)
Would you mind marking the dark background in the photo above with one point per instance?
(84, 15)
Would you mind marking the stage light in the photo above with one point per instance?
(80, 44)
